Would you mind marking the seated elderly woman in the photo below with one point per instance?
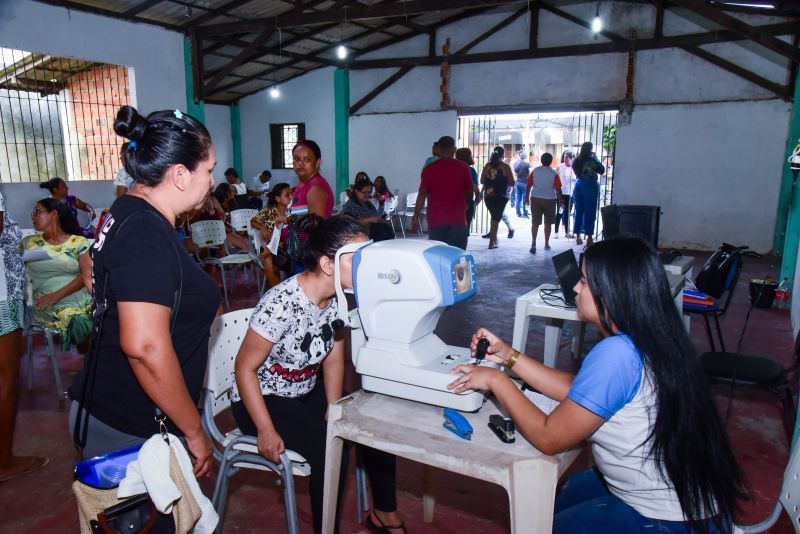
(59, 191)
(360, 208)
(61, 300)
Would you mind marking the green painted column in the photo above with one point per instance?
(790, 222)
(198, 111)
(236, 137)
(341, 91)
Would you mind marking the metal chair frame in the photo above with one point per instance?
(212, 235)
(233, 449)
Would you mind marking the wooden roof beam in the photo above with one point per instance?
(742, 28)
(384, 10)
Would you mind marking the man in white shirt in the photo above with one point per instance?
(257, 186)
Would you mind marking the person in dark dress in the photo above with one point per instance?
(153, 348)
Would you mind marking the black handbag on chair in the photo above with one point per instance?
(713, 278)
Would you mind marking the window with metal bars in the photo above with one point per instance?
(57, 117)
(283, 137)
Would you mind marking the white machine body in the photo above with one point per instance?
(401, 289)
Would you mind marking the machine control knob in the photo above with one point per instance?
(480, 351)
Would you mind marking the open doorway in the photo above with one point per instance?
(535, 134)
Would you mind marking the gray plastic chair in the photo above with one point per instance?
(789, 498)
(233, 449)
(29, 329)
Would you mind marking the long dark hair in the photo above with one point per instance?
(326, 236)
(497, 156)
(159, 141)
(221, 193)
(360, 184)
(383, 188)
(689, 443)
(51, 184)
(66, 219)
(275, 192)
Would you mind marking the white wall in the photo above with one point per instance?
(156, 56)
(309, 100)
(218, 122)
(401, 148)
(715, 169)
(704, 144)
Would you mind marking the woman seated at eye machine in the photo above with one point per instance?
(663, 461)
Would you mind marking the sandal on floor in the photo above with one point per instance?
(533, 249)
(35, 463)
(382, 529)
(492, 245)
(511, 233)
(547, 247)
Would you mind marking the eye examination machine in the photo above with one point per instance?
(401, 288)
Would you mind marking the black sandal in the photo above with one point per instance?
(382, 529)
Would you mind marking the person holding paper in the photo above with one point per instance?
(61, 300)
(267, 221)
(663, 461)
(12, 282)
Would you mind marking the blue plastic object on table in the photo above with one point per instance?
(457, 424)
(106, 472)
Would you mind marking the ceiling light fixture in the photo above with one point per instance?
(341, 52)
(597, 22)
(275, 92)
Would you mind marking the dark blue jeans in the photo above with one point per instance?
(584, 505)
(519, 188)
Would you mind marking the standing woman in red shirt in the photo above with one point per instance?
(313, 191)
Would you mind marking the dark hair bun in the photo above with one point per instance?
(129, 124)
(45, 185)
(309, 223)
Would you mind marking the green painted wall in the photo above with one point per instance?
(236, 138)
(341, 90)
(198, 111)
(786, 242)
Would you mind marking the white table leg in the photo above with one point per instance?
(531, 496)
(429, 483)
(333, 468)
(577, 339)
(522, 322)
(552, 337)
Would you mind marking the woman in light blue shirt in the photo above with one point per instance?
(663, 461)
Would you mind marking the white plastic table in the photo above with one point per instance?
(531, 304)
(413, 430)
(682, 265)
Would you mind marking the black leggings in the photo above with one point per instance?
(496, 206)
(565, 215)
(301, 424)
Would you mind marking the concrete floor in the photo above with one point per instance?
(43, 503)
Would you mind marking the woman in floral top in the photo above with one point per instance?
(11, 312)
(60, 297)
(265, 221)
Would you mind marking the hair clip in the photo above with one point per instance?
(178, 114)
(132, 145)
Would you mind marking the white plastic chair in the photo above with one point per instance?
(212, 235)
(411, 202)
(390, 208)
(29, 329)
(789, 498)
(28, 231)
(240, 219)
(257, 243)
(239, 451)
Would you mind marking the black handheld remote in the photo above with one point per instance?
(480, 351)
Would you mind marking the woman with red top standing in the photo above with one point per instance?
(313, 190)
